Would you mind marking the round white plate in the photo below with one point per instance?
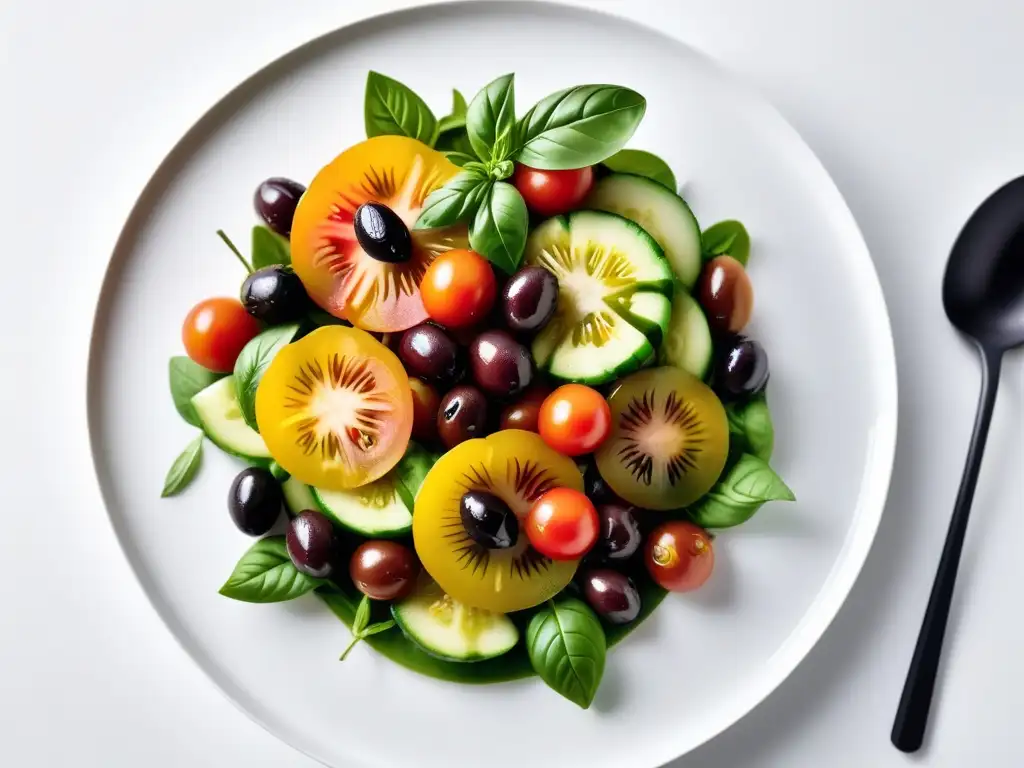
(703, 660)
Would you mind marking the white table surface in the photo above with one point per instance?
(916, 107)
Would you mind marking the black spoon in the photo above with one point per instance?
(983, 293)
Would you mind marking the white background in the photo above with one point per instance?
(915, 107)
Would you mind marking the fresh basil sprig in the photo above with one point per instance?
(269, 248)
(266, 574)
(726, 237)
(252, 362)
(184, 468)
(500, 227)
(187, 380)
(457, 118)
(491, 120)
(360, 629)
(391, 108)
(567, 648)
(739, 493)
(750, 427)
(642, 163)
(457, 200)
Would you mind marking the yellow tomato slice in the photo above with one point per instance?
(335, 408)
(343, 279)
(518, 467)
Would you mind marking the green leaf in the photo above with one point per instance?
(458, 158)
(750, 427)
(491, 119)
(456, 201)
(456, 141)
(579, 126)
(739, 493)
(280, 473)
(500, 227)
(265, 574)
(502, 170)
(380, 626)
(459, 106)
(253, 361)
(269, 248)
(412, 469)
(727, 237)
(392, 109)
(457, 118)
(642, 163)
(187, 380)
(362, 616)
(184, 468)
(567, 647)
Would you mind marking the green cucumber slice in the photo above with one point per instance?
(449, 630)
(661, 212)
(688, 342)
(375, 510)
(221, 419)
(297, 496)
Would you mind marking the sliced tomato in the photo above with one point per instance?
(343, 279)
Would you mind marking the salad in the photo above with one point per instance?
(488, 380)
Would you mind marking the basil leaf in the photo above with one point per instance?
(500, 227)
(412, 469)
(265, 574)
(459, 106)
(457, 118)
(739, 493)
(579, 126)
(269, 248)
(393, 109)
(642, 163)
(184, 468)
(187, 380)
(456, 201)
(253, 361)
(456, 141)
(491, 119)
(380, 626)
(567, 647)
(502, 170)
(458, 158)
(727, 237)
(750, 427)
(362, 616)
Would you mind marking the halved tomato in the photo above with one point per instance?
(335, 408)
(374, 295)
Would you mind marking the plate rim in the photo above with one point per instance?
(879, 459)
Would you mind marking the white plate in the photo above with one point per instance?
(702, 661)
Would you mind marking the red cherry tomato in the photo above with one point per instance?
(679, 556)
(214, 332)
(575, 419)
(562, 524)
(548, 193)
(458, 288)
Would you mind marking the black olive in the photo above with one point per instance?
(275, 295)
(741, 368)
(255, 501)
(275, 201)
(382, 233)
(488, 520)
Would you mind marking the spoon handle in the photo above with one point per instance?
(912, 715)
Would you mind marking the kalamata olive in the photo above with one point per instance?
(741, 368)
(430, 353)
(275, 295)
(275, 201)
(382, 233)
(529, 299)
(384, 570)
(595, 487)
(620, 532)
(488, 520)
(612, 595)
(425, 403)
(524, 413)
(255, 501)
(462, 416)
(311, 543)
(500, 364)
(726, 294)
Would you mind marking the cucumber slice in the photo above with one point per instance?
(375, 510)
(688, 342)
(221, 420)
(297, 496)
(449, 630)
(661, 212)
(613, 305)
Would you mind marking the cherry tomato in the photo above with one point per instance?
(562, 524)
(214, 332)
(575, 419)
(458, 288)
(679, 556)
(548, 193)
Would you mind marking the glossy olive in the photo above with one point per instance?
(275, 201)
(620, 531)
(595, 487)
(522, 415)
(741, 368)
(612, 595)
(500, 365)
(726, 294)
(488, 520)
(382, 233)
(275, 295)
(462, 416)
(255, 501)
(384, 570)
(529, 299)
(428, 352)
(425, 403)
(311, 543)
